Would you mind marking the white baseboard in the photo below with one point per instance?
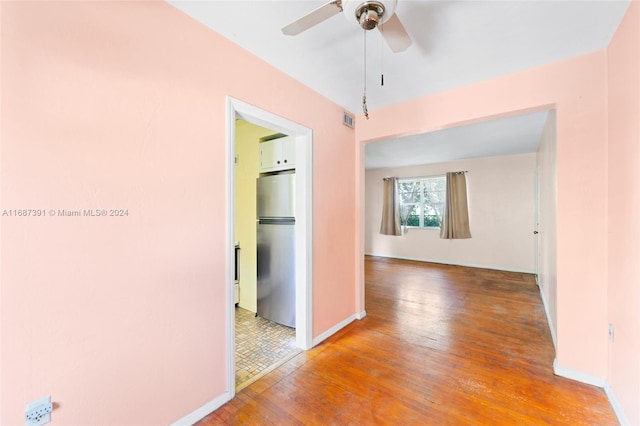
(216, 403)
(203, 411)
(595, 381)
(552, 328)
(320, 338)
(617, 407)
(468, 265)
(578, 376)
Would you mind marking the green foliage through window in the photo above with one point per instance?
(422, 201)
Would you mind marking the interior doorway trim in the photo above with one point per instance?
(237, 109)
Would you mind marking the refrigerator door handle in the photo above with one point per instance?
(276, 221)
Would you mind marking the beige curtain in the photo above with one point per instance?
(455, 221)
(390, 208)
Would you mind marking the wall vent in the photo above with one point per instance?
(348, 120)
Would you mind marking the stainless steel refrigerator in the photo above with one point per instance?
(276, 248)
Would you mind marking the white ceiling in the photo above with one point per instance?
(455, 43)
(507, 136)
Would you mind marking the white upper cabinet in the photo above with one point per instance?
(278, 154)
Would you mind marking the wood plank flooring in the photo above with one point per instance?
(440, 345)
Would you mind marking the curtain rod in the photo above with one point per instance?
(425, 177)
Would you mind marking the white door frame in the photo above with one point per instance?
(237, 109)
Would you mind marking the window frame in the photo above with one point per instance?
(421, 203)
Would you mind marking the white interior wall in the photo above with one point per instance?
(547, 275)
(501, 197)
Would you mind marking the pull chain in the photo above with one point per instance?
(381, 59)
(364, 93)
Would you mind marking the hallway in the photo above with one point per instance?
(440, 344)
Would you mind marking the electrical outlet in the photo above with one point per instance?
(38, 412)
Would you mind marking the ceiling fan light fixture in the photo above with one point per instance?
(369, 19)
(369, 14)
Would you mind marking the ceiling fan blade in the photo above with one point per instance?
(312, 18)
(395, 35)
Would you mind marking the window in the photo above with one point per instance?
(422, 201)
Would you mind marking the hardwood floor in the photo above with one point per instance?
(440, 345)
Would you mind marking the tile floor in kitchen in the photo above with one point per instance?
(261, 345)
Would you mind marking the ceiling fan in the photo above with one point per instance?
(369, 15)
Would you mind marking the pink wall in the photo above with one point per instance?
(623, 60)
(122, 105)
(577, 89)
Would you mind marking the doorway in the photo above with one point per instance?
(238, 110)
